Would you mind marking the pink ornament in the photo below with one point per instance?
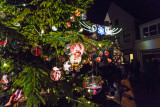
(94, 92)
(73, 19)
(18, 94)
(77, 49)
(68, 24)
(55, 74)
(4, 79)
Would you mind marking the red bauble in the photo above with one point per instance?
(37, 50)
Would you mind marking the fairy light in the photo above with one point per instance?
(5, 64)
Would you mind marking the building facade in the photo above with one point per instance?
(121, 19)
(148, 47)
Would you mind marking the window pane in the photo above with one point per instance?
(153, 30)
(145, 32)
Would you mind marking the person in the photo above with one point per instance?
(111, 74)
(135, 69)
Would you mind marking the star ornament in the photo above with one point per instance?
(67, 66)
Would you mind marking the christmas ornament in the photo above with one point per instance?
(55, 74)
(100, 53)
(84, 17)
(3, 43)
(77, 68)
(67, 49)
(54, 28)
(17, 24)
(2, 14)
(36, 50)
(17, 44)
(81, 30)
(68, 24)
(98, 59)
(77, 13)
(67, 66)
(18, 94)
(106, 53)
(77, 49)
(75, 60)
(5, 79)
(73, 19)
(93, 85)
(4, 86)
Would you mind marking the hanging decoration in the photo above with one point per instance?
(68, 24)
(3, 43)
(67, 66)
(98, 59)
(18, 94)
(106, 53)
(73, 19)
(5, 79)
(17, 24)
(84, 17)
(77, 49)
(93, 85)
(75, 60)
(36, 50)
(2, 14)
(54, 28)
(77, 12)
(55, 74)
(100, 53)
(67, 49)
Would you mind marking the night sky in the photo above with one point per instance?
(144, 10)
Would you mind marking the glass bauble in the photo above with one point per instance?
(5, 79)
(67, 49)
(55, 74)
(75, 60)
(77, 49)
(93, 85)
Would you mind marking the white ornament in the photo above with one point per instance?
(75, 60)
(77, 49)
(67, 66)
(54, 28)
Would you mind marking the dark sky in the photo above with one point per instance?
(144, 10)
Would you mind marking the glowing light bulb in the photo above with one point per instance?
(5, 64)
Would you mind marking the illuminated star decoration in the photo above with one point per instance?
(101, 30)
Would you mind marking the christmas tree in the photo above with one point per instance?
(44, 51)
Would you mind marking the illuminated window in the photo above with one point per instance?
(145, 32)
(116, 22)
(127, 36)
(153, 30)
